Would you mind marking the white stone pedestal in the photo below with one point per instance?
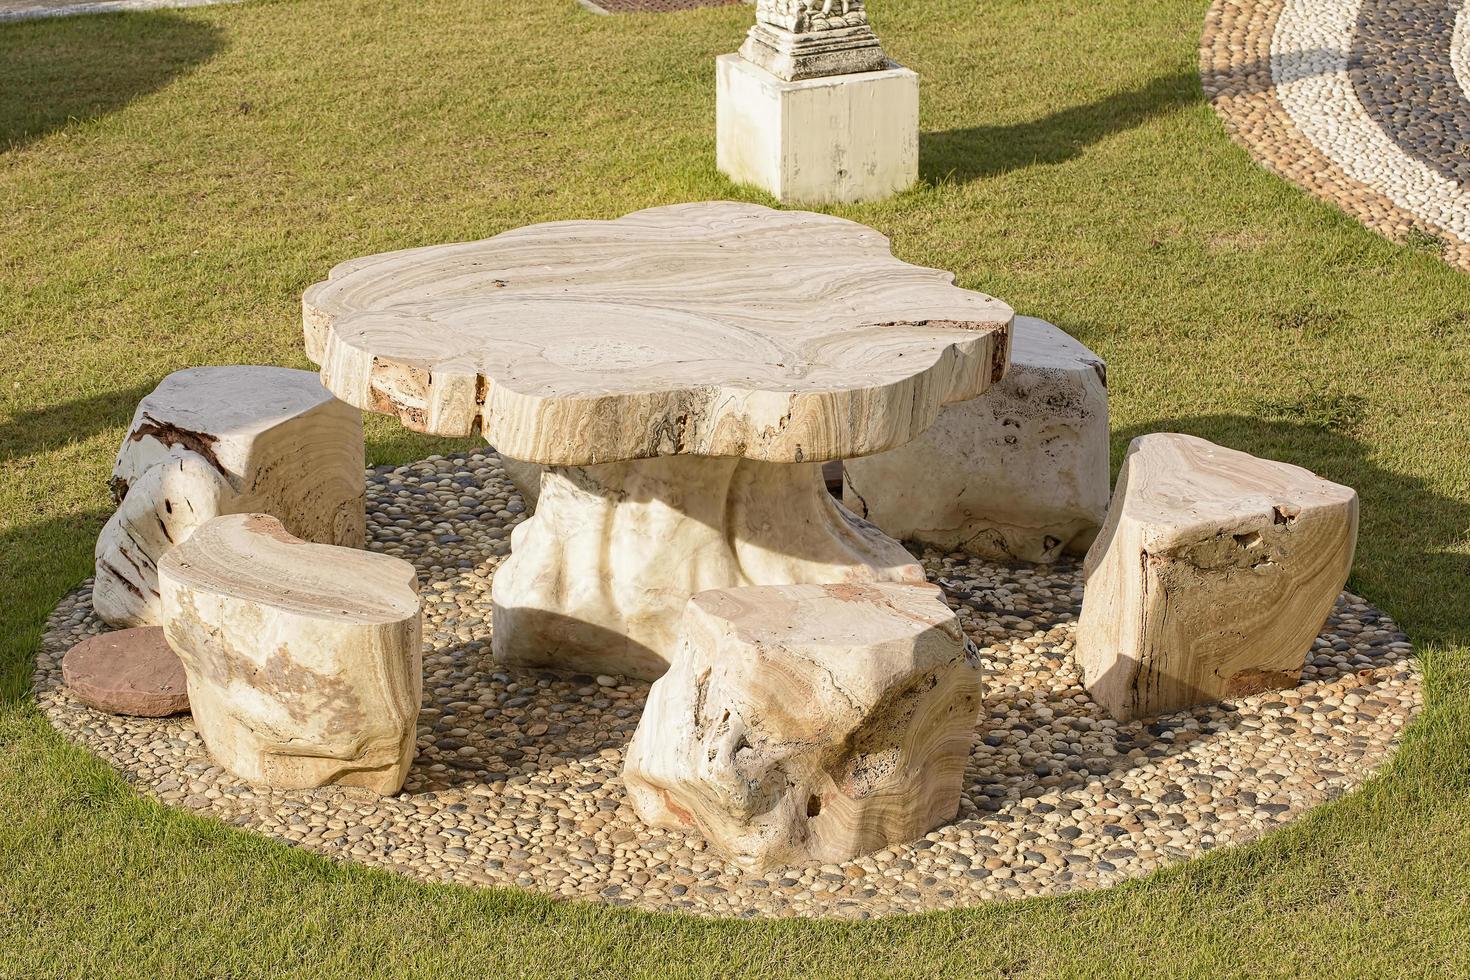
(819, 140)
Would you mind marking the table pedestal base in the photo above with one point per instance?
(598, 578)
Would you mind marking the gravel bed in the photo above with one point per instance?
(1363, 103)
(517, 778)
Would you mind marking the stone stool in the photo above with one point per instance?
(1213, 574)
(809, 723)
(1020, 473)
(226, 440)
(304, 661)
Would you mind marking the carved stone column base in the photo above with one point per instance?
(820, 140)
(598, 578)
(793, 57)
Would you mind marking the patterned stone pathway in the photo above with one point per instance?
(518, 781)
(651, 6)
(33, 9)
(1365, 103)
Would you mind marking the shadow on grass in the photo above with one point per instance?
(44, 560)
(63, 69)
(54, 426)
(963, 155)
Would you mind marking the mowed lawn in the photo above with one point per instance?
(170, 182)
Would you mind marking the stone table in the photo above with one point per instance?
(682, 372)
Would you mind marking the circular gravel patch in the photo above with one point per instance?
(517, 778)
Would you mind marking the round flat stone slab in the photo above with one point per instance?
(127, 672)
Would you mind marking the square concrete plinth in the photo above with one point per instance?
(838, 138)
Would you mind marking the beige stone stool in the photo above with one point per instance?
(305, 661)
(809, 723)
(1213, 574)
(226, 440)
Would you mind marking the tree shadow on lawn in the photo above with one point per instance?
(51, 427)
(43, 561)
(963, 155)
(63, 69)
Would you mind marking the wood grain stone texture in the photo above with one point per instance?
(305, 661)
(809, 723)
(1211, 577)
(226, 440)
(710, 329)
(599, 576)
(1017, 474)
(681, 372)
(127, 672)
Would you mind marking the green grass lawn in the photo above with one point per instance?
(170, 182)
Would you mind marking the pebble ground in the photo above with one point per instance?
(1363, 103)
(517, 780)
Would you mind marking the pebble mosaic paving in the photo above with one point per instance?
(1364, 103)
